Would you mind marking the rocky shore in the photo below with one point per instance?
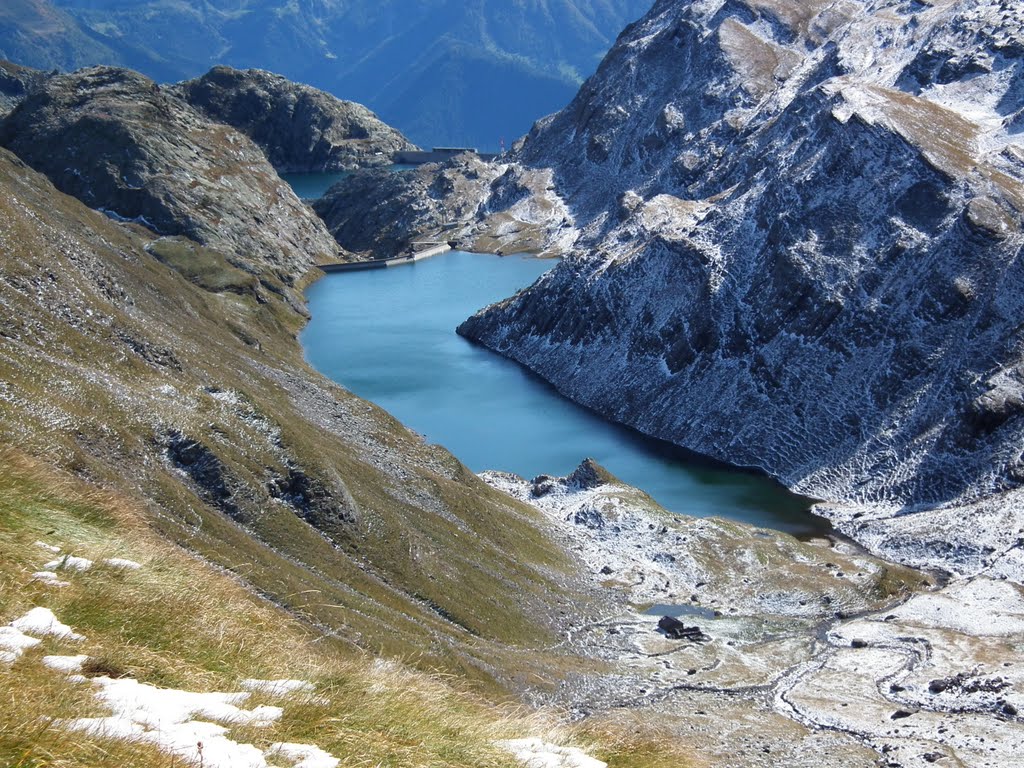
(814, 650)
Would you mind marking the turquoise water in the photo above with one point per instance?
(312, 186)
(389, 336)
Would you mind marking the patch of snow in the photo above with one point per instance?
(178, 722)
(278, 687)
(48, 547)
(303, 755)
(14, 642)
(41, 621)
(980, 607)
(225, 396)
(534, 753)
(165, 707)
(112, 214)
(120, 562)
(207, 744)
(49, 577)
(69, 563)
(69, 664)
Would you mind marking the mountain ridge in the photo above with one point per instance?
(506, 65)
(299, 128)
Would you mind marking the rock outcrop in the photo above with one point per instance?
(381, 212)
(300, 128)
(797, 238)
(119, 143)
(15, 83)
(490, 207)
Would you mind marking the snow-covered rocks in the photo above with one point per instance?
(981, 607)
(69, 563)
(706, 566)
(43, 622)
(949, 656)
(535, 753)
(941, 674)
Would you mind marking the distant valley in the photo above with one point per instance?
(443, 72)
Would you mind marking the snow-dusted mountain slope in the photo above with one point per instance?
(799, 248)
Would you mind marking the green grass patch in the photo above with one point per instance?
(203, 266)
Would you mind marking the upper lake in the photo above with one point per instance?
(313, 186)
(389, 336)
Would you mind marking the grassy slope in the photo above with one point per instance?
(144, 624)
(104, 351)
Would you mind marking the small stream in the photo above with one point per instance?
(389, 336)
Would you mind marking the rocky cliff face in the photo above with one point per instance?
(381, 213)
(797, 246)
(300, 128)
(491, 207)
(116, 141)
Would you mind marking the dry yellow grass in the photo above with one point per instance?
(180, 623)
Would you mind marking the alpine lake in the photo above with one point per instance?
(388, 335)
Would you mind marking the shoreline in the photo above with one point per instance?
(797, 636)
